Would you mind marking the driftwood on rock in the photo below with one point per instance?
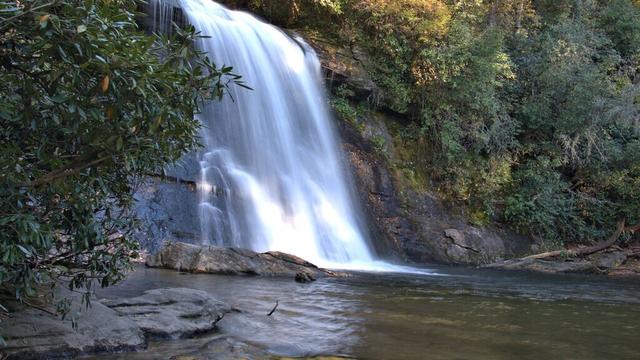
(580, 260)
(587, 250)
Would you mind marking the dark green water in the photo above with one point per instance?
(460, 314)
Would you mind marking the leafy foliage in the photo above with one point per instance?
(525, 111)
(88, 105)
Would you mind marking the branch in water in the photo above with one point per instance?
(274, 309)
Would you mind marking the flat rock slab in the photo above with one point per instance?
(233, 261)
(35, 334)
(171, 313)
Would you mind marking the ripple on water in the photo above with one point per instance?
(470, 314)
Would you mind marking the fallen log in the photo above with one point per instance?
(587, 250)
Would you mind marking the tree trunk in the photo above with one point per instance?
(587, 250)
(519, 15)
(577, 9)
(493, 13)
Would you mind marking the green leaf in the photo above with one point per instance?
(24, 251)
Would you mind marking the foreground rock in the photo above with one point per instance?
(114, 325)
(171, 313)
(35, 334)
(233, 261)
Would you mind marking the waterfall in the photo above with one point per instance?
(271, 174)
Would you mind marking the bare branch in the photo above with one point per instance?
(68, 170)
(273, 310)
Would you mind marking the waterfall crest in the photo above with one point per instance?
(271, 175)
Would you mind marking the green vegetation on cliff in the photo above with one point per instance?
(527, 111)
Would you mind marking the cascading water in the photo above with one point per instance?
(271, 176)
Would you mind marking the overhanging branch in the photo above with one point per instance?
(65, 171)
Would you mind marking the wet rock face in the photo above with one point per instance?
(389, 230)
(403, 223)
(171, 313)
(412, 225)
(343, 66)
(167, 205)
(34, 334)
(232, 261)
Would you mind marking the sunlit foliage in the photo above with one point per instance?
(525, 111)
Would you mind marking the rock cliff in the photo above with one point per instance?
(405, 222)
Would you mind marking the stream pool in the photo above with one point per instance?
(455, 313)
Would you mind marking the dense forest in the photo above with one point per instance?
(527, 112)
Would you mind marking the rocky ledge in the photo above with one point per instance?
(233, 261)
(171, 313)
(109, 325)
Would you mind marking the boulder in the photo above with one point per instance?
(171, 313)
(609, 260)
(35, 334)
(303, 277)
(630, 268)
(232, 261)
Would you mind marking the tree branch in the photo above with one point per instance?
(587, 250)
(9, 20)
(65, 171)
(273, 310)
(173, 179)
